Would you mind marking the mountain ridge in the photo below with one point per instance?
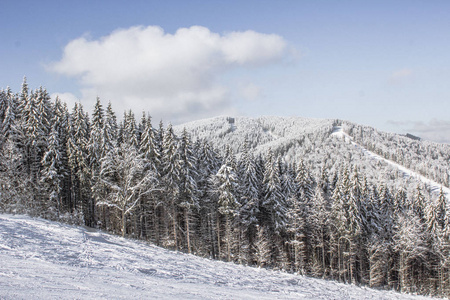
(286, 135)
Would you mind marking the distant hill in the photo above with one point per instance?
(315, 142)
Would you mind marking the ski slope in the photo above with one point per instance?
(40, 259)
(407, 173)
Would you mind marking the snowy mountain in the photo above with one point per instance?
(394, 159)
(41, 259)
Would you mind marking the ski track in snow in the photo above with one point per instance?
(407, 173)
(40, 259)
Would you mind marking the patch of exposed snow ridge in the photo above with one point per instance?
(40, 259)
(339, 133)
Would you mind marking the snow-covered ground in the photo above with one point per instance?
(40, 259)
(434, 186)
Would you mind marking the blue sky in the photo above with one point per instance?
(381, 63)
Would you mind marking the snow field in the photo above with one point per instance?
(40, 259)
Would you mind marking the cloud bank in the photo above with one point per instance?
(435, 130)
(173, 76)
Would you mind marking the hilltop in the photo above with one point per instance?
(395, 160)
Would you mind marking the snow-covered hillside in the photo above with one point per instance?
(407, 173)
(40, 259)
(391, 159)
(261, 133)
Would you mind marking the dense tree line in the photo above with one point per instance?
(430, 159)
(257, 209)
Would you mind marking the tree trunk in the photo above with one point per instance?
(296, 264)
(211, 233)
(124, 222)
(186, 220)
(218, 236)
(323, 256)
(156, 225)
(174, 226)
(339, 261)
(228, 236)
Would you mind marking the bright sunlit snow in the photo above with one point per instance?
(46, 260)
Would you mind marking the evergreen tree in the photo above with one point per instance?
(52, 172)
(345, 217)
(442, 215)
(44, 109)
(110, 134)
(8, 120)
(273, 202)
(318, 220)
(249, 210)
(171, 179)
(262, 247)
(129, 129)
(208, 164)
(33, 129)
(149, 147)
(96, 145)
(15, 184)
(23, 99)
(410, 243)
(188, 186)
(60, 123)
(226, 187)
(79, 164)
(304, 183)
(297, 234)
(96, 151)
(3, 106)
(442, 244)
(419, 204)
(149, 205)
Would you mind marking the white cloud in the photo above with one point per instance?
(169, 75)
(68, 98)
(434, 130)
(252, 47)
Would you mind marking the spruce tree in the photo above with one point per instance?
(410, 243)
(188, 186)
(226, 187)
(249, 210)
(60, 123)
(152, 160)
(110, 134)
(53, 172)
(318, 220)
(96, 151)
(171, 178)
(273, 203)
(8, 118)
(79, 163)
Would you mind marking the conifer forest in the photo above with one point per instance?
(307, 207)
